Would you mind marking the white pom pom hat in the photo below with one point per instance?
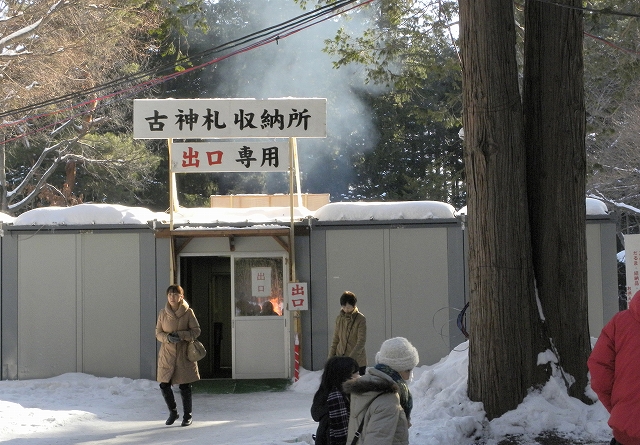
(398, 353)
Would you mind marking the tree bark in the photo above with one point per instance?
(554, 116)
(503, 312)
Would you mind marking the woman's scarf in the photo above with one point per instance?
(338, 405)
(406, 400)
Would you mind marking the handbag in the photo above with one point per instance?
(195, 351)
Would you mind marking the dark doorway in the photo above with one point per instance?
(207, 285)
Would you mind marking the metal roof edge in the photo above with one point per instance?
(390, 222)
(78, 228)
(605, 217)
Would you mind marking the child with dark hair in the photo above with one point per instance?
(330, 405)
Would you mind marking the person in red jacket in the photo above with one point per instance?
(615, 373)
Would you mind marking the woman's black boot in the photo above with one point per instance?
(185, 392)
(170, 400)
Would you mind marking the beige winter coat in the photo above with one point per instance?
(173, 365)
(375, 399)
(350, 336)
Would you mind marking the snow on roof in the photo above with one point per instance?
(621, 256)
(86, 214)
(594, 207)
(215, 215)
(7, 219)
(384, 211)
(108, 214)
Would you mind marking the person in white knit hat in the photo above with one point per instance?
(381, 402)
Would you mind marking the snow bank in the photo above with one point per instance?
(80, 408)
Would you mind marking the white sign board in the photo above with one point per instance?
(229, 118)
(297, 297)
(250, 157)
(260, 282)
(632, 264)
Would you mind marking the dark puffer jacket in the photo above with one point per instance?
(375, 398)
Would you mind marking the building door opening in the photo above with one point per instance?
(207, 285)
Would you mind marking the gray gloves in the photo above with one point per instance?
(173, 337)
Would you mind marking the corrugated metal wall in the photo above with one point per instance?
(409, 282)
(77, 305)
(87, 300)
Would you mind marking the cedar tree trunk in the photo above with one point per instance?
(554, 116)
(503, 311)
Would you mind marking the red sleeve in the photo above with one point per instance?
(602, 365)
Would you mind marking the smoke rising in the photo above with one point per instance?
(297, 67)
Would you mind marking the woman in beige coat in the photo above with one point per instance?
(350, 334)
(177, 326)
(381, 401)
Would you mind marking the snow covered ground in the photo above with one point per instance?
(83, 409)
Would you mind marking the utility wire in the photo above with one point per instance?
(599, 11)
(607, 11)
(251, 41)
(304, 18)
(613, 45)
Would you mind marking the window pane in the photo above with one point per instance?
(258, 286)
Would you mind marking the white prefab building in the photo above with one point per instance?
(78, 300)
(81, 287)
(407, 274)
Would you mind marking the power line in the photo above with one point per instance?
(243, 44)
(607, 11)
(304, 18)
(250, 41)
(613, 45)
